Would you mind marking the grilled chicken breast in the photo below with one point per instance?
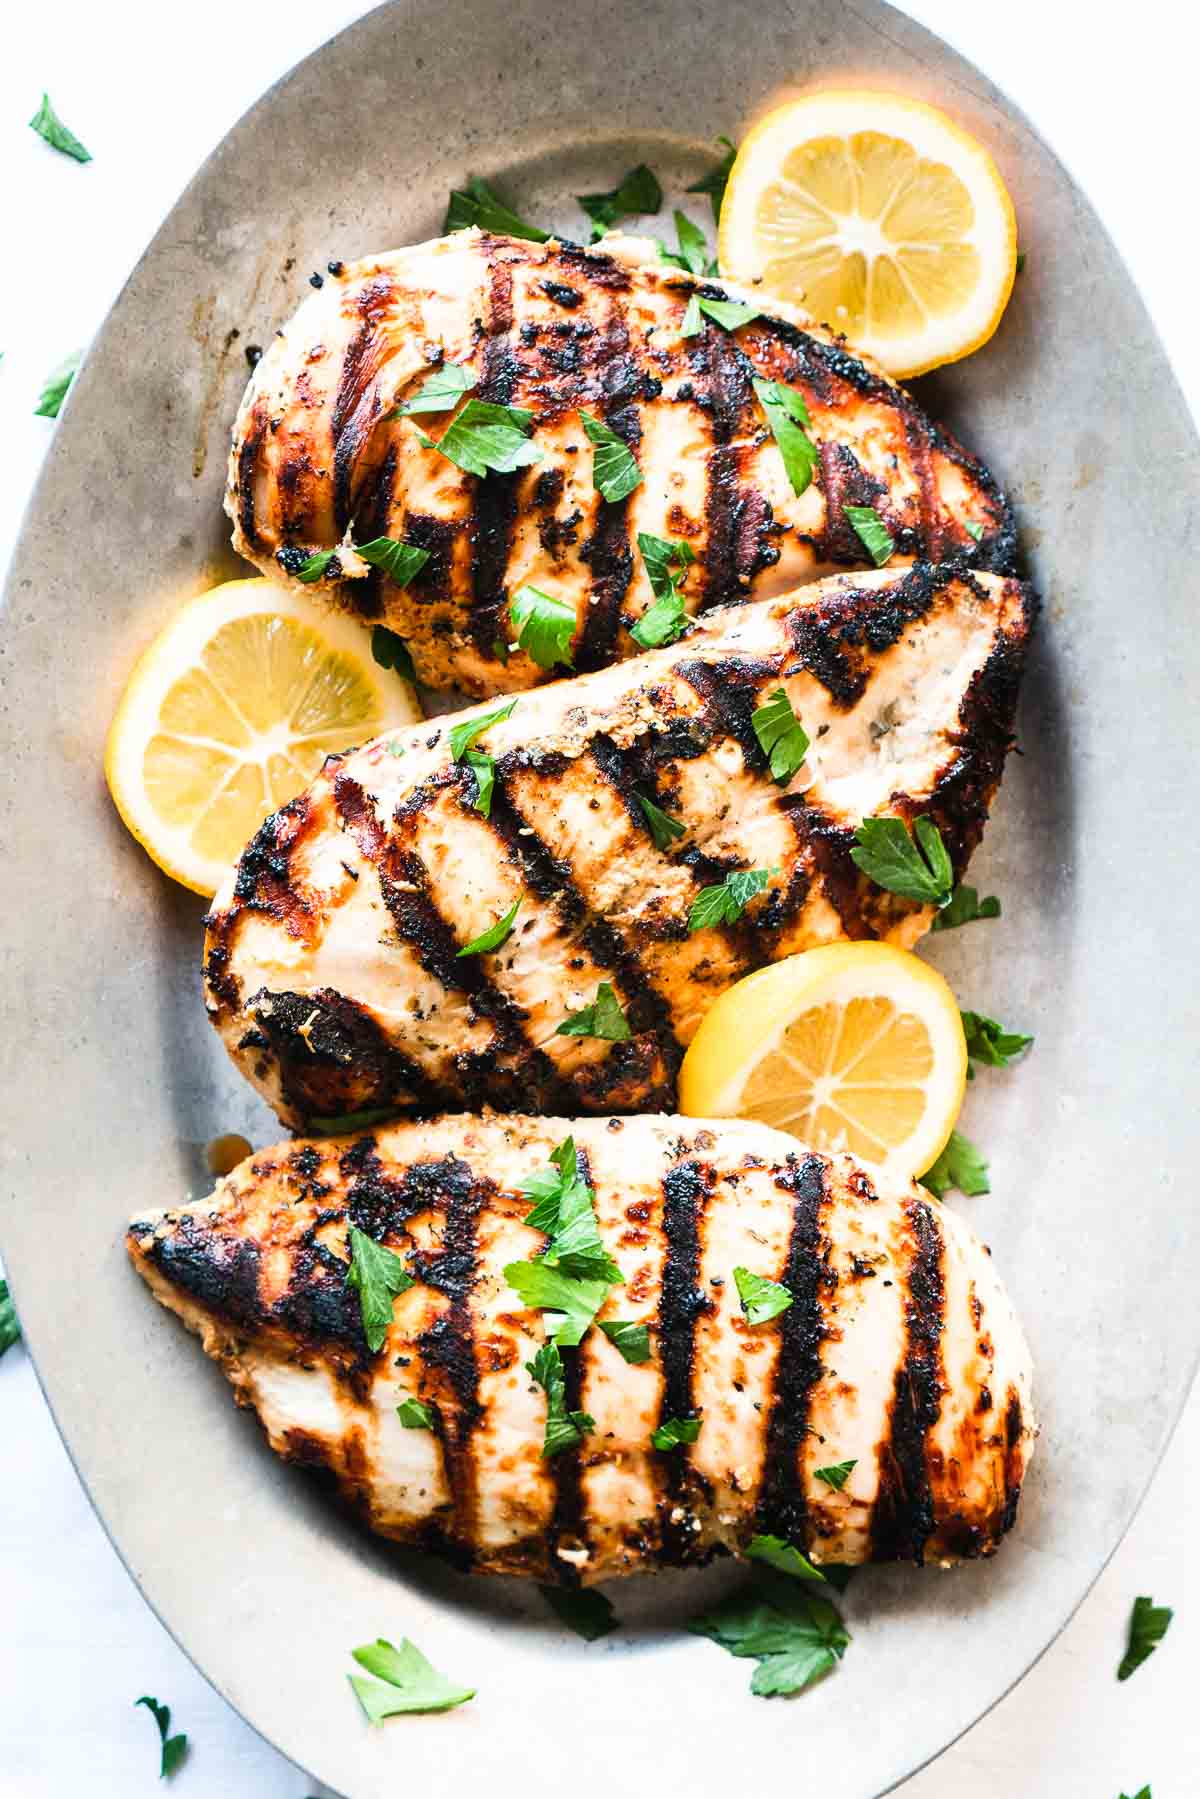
(334, 965)
(319, 462)
(899, 1351)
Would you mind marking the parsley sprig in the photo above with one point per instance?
(379, 1276)
(485, 439)
(400, 562)
(836, 1474)
(961, 1166)
(990, 1043)
(916, 867)
(10, 1327)
(439, 392)
(662, 827)
(871, 532)
(691, 251)
(673, 1432)
(54, 388)
(728, 314)
(964, 907)
(496, 934)
(725, 903)
(794, 1633)
(781, 737)
(582, 1609)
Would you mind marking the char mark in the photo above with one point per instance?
(334, 1058)
(686, 1189)
(494, 502)
(782, 1506)
(350, 420)
(247, 467)
(450, 1363)
(568, 1529)
(837, 640)
(903, 1518)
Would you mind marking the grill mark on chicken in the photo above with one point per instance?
(608, 551)
(568, 1528)
(836, 645)
(246, 463)
(782, 1507)
(494, 497)
(351, 421)
(685, 1191)
(334, 1058)
(903, 1519)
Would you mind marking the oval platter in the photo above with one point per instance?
(115, 1081)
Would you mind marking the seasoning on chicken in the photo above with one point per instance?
(896, 1350)
(584, 341)
(337, 966)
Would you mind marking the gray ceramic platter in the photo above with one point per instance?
(114, 1080)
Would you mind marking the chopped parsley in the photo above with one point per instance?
(496, 934)
(990, 1043)
(715, 182)
(664, 561)
(1020, 266)
(692, 248)
(973, 530)
(569, 1305)
(781, 737)
(784, 1557)
(400, 562)
(314, 567)
(761, 1299)
(960, 1166)
(633, 1340)
(564, 1211)
(603, 1019)
(463, 735)
(794, 1634)
(964, 907)
(615, 472)
(484, 768)
(414, 1415)
(392, 652)
(10, 1326)
(544, 626)
(725, 903)
(837, 1474)
(871, 532)
(380, 1276)
(662, 827)
(674, 1431)
(1148, 1625)
(485, 439)
(54, 388)
(411, 1684)
(729, 314)
(564, 1429)
(582, 1609)
(787, 415)
(478, 204)
(49, 126)
(173, 1748)
(916, 867)
(1145, 1793)
(638, 192)
(439, 392)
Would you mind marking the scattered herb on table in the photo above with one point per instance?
(173, 1748)
(49, 126)
(479, 204)
(961, 1166)
(1148, 1625)
(10, 1325)
(795, 1634)
(636, 193)
(54, 388)
(990, 1043)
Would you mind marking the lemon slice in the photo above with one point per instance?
(881, 218)
(231, 712)
(856, 1046)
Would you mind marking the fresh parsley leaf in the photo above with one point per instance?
(564, 1211)
(664, 561)
(547, 1185)
(400, 562)
(342, 1123)
(917, 867)
(662, 827)
(639, 192)
(724, 904)
(615, 472)
(439, 392)
(787, 415)
(1020, 266)
(380, 1276)
(964, 907)
(54, 388)
(633, 1340)
(793, 1633)
(564, 1429)
(495, 935)
(412, 1685)
(761, 1299)
(463, 735)
(485, 779)
(692, 252)
(714, 183)
(1148, 1625)
(10, 1326)
(961, 1166)
(729, 314)
(989, 1042)
(661, 623)
(837, 1474)
(582, 1609)
(973, 530)
(569, 1305)
(544, 626)
(313, 567)
(603, 1019)
(1145, 1792)
(871, 532)
(674, 1431)
(413, 1415)
(478, 204)
(174, 1749)
(784, 1557)
(781, 737)
(392, 652)
(486, 439)
(48, 125)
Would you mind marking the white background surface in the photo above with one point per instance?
(150, 89)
